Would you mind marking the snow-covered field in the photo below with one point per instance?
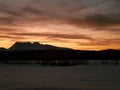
(35, 77)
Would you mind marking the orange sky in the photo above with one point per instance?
(77, 24)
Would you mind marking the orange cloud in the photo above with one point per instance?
(54, 35)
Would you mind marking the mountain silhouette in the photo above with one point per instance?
(27, 51)
(2, 49)
(21, 46)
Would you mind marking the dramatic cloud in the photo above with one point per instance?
(89, 19)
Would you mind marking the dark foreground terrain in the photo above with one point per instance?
(59, 57)
(36, 53)
(81, 77)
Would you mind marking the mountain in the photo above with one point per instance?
(35, 51)
(2, 49)
(23, 46)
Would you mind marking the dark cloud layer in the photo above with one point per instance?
(55, 10)
(104, 19)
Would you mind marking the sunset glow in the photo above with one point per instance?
(77, 24)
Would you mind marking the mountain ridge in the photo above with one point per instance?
(28, 46)
(35, 51)
(21, 46)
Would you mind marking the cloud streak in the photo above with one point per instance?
(11, 37)
(54, 35)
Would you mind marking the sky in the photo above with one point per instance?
(76, 24)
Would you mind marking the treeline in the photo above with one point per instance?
(63, 63)
(48, 55)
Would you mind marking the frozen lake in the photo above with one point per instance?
(35, 77)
